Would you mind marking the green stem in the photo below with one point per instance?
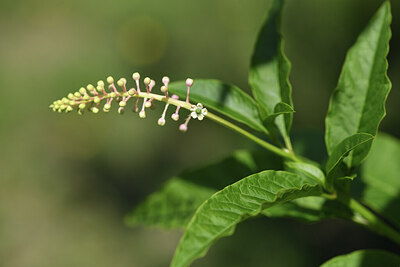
(252, 137)
(370, 220)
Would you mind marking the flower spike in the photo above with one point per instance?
(90, 98)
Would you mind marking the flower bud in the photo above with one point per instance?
(97, 100)
(82, 90)
(189, 82)
(71, 96)
(132, 92)
(122, 104)
(110, 79)
(142, 114)
(95, 110)
(183, 127)
(175, 116)
(86, 97)
(161, 121)
(163, 89)
(82, 106)
(165, 80)
(148, 104)
(147, 81)
(136, 76)
(100, 83)
(77, 94)
(113, 94)
(120, 82)
(90, 87)
(69, 108)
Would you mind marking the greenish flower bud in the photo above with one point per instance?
(82, 91)
(90, 87)
(107, 106)
(95, 110)
(86, 97)
(120, 82)
(69, 108)
(59, 102)
(132, 92)
(72, 103)
(77, 94)
(82, 106)
(122, 104)
(113, 94)
(96, 100)
(71, 96)
(136, 76)
(147, 81)
(110, 79)
(163, 89)
(100, 83)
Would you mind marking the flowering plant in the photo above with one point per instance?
(293, 186)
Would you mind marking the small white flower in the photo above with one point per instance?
(198, 112)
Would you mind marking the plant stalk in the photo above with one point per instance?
(254, 138)
(370, 220)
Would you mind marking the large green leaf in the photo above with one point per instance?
(224, 98)
(269, 71)
(343, 150)
(380, 179)
(358, 102)
(219, 215)
(365, 258)
(176, 202)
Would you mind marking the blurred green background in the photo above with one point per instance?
(66, 181)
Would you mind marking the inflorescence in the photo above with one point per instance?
(91, 97)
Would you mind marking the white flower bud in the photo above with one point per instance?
(161, 121)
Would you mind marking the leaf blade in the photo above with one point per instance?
(218, 216)
(361, 258)
(358, 102)
(380, 178)
(174, 204)
(342, 150)
(270, 69)
(226, 99)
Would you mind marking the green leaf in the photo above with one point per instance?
(176, 202)
(380, 178)
(306, 169)
(342, 150)
(364, 258)
(279, 109)
(269, 71)
(219, 215)
(226, 99)
(358, 102)
(170, 207)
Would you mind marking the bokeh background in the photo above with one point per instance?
(66, 181)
